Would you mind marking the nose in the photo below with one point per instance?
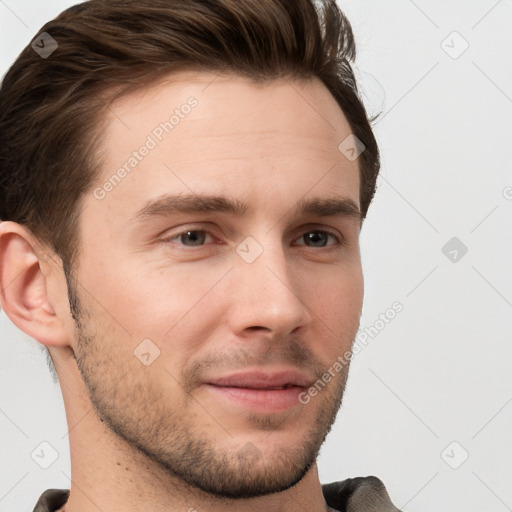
(267, 295)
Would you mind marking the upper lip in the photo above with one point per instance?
(259, 379)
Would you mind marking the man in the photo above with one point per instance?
(183, 188)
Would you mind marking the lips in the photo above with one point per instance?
(266, 380)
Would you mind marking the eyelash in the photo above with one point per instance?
(339, 240)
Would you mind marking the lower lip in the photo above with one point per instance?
(262, 400)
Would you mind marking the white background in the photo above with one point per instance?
(439, 372)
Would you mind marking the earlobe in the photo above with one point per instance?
(23, 286)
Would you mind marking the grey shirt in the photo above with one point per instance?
(362, 494)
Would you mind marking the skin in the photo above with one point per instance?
(153, 437)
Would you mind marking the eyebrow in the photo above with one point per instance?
(168, 204)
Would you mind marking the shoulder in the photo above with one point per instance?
(361, 494)
(51, 500)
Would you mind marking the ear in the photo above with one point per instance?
(24, 287)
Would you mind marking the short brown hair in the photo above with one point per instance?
(51, 109)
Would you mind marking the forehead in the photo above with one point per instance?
(197, 131)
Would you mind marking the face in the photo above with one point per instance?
(178, 292)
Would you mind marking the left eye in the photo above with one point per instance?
(197, 237)
(318, 237)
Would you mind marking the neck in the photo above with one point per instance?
(108, 479)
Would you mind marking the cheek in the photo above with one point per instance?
(143, 295)
(338, 289)
(337, 306)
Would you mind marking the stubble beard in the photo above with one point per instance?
(136, 411)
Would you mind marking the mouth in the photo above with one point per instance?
(264, 400)
(259, 379)
(263, 388)
(261, 391)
